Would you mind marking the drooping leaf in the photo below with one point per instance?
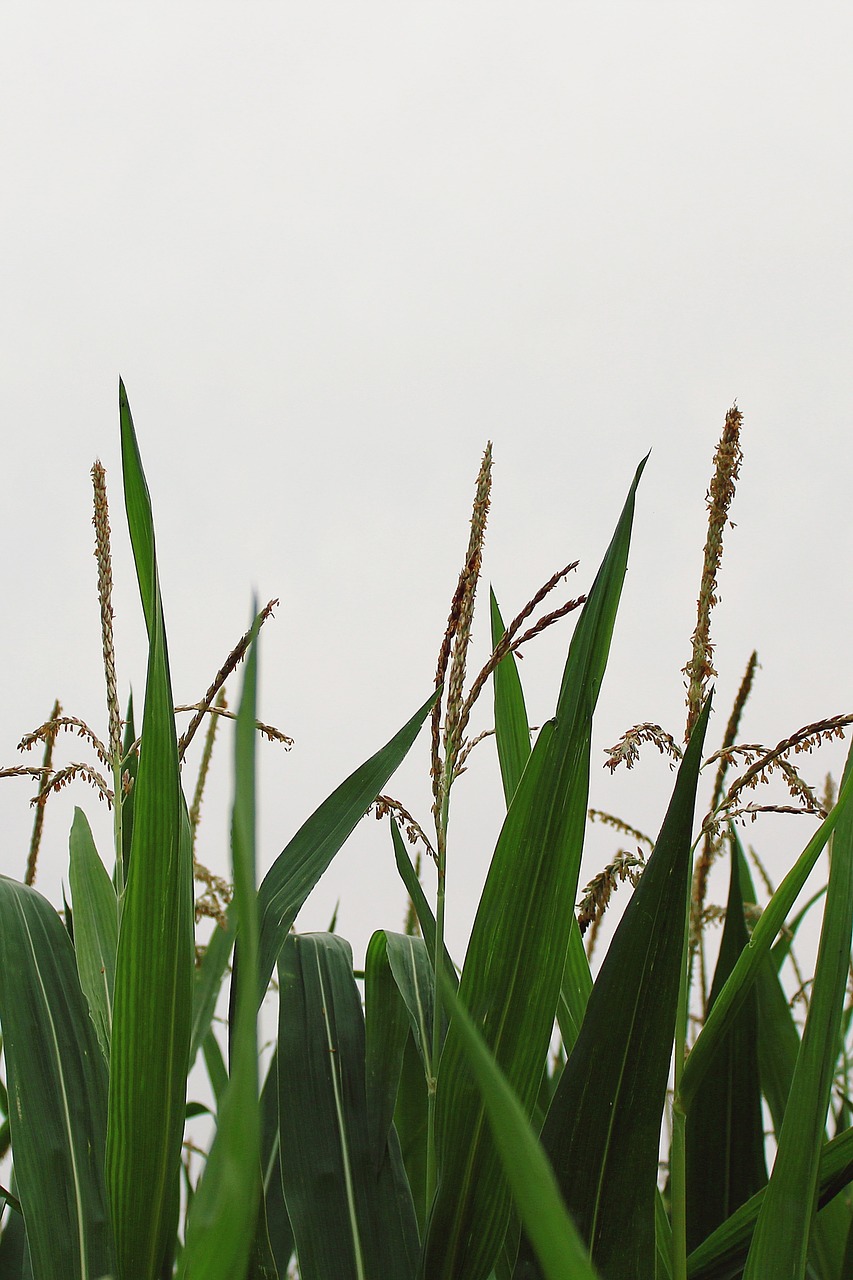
(602, 1132)
(513, 970)
(299, 866)
(423, 910)
(57, 1084)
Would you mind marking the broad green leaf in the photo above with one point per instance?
(217, 1072)
(722, 1255)
(57, 1090)
(154, 963)
(423, 911)
(513, 970)
(398, 996)
(386, 1026)
(602, 1133)
(411, 1120)
(511, 728)
(745, 971)
(350, 1222)
(95, 926)
(780, 1241)
(222, 1218)
(299, 866)
(724, 1131)
(561, 1252)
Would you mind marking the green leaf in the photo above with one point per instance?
(154, 963)
(95, 926)
(222, 1217)
(423, 911)
(208, 981)
(57, 1090)
(299, 866)
(724, 1131)
(513, 970)
(399, 997)
(511, 728)
(602, 1132)
(278, 1228)
(780, 1241)
(350, 1222)
(745, 971)
(722, 1255)
(559, 1248)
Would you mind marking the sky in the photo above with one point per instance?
(333, 250)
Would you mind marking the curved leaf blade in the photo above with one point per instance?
(602, 1131)
(349, 1222)
(57, 1091)
(780, 1242)
(300, 865)
(95, 926)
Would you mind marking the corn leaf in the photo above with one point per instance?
(780, 1241)
(602, 1132)
(208, 981)
(57, 1089)
(423, 910)
(222, 1218)
(561, 1253)
(154, 963)
(350, 1222)
(386, 1025)
(399, 998)
(724, 1132)
(95, 926)
(278, 1229)
(511, 728)
(299, 866)
(513, 970)
(722, 1255)
(746, 970)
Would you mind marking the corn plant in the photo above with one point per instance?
(497, 1120)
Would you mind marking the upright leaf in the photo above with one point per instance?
(154, 963)
(57, 1091)
(602, 1132)
(780, 1243)
(724, 1129)
(512, 731)
(221, 1223)
(513, 970)
(350, 1221)
(95, 926)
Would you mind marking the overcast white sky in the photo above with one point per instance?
(334, 248)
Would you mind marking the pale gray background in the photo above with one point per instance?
(334, 248)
